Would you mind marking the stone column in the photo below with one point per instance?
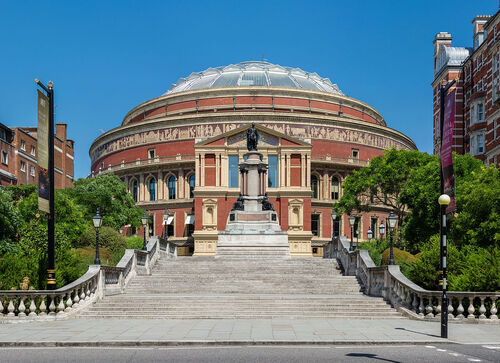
(142, 196)
(182, 185)
(161, 185)
(202, 176)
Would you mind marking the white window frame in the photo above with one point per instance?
(32, 171)
(23, 166)
(32, 150)
(23, 145)
(5, 158)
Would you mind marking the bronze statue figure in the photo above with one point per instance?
(252, 138)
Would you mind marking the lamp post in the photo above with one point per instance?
(443, 201)
(144, 221)
(352, 219)
(334, 217)
(391, 221)
(97, 220)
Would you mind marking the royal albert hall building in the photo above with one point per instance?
(179, 153)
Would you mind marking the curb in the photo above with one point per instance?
(179, 343)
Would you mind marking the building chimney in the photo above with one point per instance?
(61, 130)
(442, 38)
(478, 30)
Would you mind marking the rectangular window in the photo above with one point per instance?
(315, 224)
(23, 145)
(272, 171)
(356, 228)
(494, 130)
(480, 144)
(5, 158)
(151, 153)
(336, 227)
(32, 171)
(32, 151)
(233, 171)
(355, 154)
(373, 227)
(23, 166)
(480, 112)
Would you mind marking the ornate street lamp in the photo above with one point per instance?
(369, 234)
(443, 201)
(97, 220)
(334, 217)
(144, 221)
(391, 221)
(381, 229)
(352, 219)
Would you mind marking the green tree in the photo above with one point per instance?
(108, 193)
(383, 181)
(10, 222)
(477, 219)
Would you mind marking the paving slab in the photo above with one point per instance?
(147, 332)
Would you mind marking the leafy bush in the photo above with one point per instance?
(87, 256)
(108, 238)
(375, 249)
(10, 222)
(135, 242)
(13, 269)
(399, 256)
(425, 270)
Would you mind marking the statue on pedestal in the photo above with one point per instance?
(266, 204)
(252, 138)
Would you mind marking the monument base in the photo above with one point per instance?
(244, 244)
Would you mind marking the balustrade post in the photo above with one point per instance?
(450, 309)
(52, 306)
(21, 308)
(11, 308)
(60, 307)
(76, 300)
(69, 302)
(429, 308)
(439, 308)
(460, 309)
(482, 309)
(414, 304)
(32, 307)
(470, 309)
(43, 307)
(1, 308)
(493, 310)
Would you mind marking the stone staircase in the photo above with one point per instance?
(205, 287)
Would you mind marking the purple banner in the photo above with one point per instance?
(447, 150)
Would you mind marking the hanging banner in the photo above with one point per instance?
(447, 150)
(43, 152)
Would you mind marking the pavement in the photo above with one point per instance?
(134, 332)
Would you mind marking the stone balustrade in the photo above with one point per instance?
(97, 282)
(406, 296)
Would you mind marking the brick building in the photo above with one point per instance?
(180, 152)
(477, 71)
(19, 156)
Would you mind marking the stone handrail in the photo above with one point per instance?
(406, 296)
(98, 281)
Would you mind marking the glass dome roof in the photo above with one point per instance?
(254, 74)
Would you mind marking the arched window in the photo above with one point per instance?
(134, 190)
(314, 186)
(335, 188)
(192, 183)
(152, 189)
(171, 187)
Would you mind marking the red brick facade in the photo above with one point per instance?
(477, 74)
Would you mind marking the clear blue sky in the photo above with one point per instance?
(105, 57)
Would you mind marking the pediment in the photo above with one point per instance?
(267, 137)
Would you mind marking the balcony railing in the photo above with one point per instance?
(340, 160)
(156, 161)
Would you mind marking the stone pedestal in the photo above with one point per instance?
(253, 231)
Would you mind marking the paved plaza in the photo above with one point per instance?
(148, 332)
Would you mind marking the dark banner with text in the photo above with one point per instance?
(447, 149)
(43, 152)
